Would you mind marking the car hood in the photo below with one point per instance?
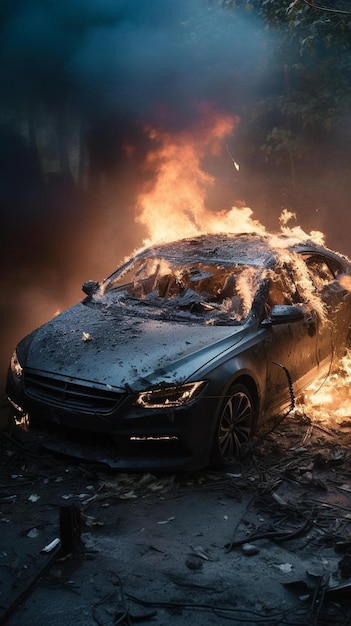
(104, 346)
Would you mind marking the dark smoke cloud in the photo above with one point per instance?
(129, 56)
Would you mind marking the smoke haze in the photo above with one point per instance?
(81, 79)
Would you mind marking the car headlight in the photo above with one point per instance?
(168, 397)
(16, 367)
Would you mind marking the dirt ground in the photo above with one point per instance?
(267, 542)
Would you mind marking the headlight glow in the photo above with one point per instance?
(168, 397)
(16, 367)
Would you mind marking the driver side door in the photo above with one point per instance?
(291, 348)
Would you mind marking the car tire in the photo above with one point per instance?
(234, 426)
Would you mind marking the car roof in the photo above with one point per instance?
(244, 248)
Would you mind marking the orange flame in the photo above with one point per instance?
(296, 232)
(173, 206)
(330, 401)
(345, 282)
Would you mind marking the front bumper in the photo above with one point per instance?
(119, 434)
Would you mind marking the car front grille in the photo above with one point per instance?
(70, 396)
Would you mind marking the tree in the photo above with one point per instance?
(307, 94)
(333, 8)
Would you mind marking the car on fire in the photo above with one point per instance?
(172, 361)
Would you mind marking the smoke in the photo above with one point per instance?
(142, 58)
(80, 81)
(104, 69)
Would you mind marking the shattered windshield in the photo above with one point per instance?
(216, 293)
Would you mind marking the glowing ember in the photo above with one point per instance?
(236, 165)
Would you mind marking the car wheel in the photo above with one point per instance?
(234, 426)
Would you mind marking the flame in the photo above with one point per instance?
(173, 206)
(345, 282)
(328, 401)
(296, 233)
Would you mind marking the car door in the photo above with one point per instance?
(291, 348)
(332, 334)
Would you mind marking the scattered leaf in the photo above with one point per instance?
(286, 568)
(33, 497)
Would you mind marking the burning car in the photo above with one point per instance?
(172, 360)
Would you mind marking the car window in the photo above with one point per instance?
(282, 290)
(138, 278)
(320, 271)
(220, 290)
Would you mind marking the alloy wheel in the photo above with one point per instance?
(235, 426)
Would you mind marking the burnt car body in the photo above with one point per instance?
(170, 362)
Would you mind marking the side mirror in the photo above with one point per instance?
(284, 314)
(89, 286)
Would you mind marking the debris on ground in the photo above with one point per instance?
(178, 545)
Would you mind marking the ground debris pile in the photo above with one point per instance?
(268, 540)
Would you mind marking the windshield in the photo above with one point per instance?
(215, 293)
